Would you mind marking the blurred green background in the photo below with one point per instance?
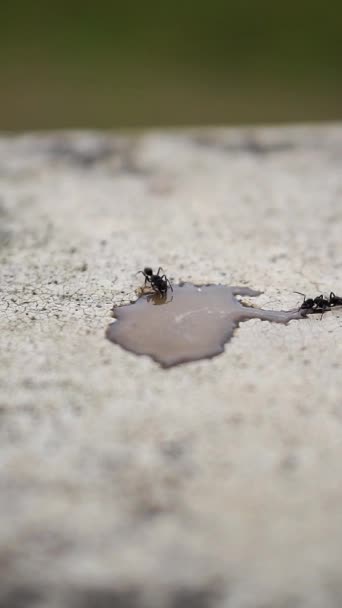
(133, 64)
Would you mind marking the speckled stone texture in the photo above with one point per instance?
(217, 484)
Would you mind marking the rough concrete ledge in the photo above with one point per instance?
(215, 484)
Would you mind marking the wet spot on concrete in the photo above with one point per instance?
(191, 323)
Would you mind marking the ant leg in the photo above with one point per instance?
(159, 269)
(143, 273)
(147, 278)
(167, 280)
(301, 294)
(169, 284)
(332, 299)
(323, 311)
(325, 307)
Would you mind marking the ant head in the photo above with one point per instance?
(148, 271)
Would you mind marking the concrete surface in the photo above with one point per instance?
(217, 483)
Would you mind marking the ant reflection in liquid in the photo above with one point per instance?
(158, 298)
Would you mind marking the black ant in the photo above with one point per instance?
(159, 283)
(320, 304)
(315, 305)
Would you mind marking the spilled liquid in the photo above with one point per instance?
(193, 322)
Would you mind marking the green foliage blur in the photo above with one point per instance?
(144, 63)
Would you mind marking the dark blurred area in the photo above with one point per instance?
(144, 63)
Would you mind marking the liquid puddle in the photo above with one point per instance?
(193, 322)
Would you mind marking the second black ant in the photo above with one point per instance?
(320, 304)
